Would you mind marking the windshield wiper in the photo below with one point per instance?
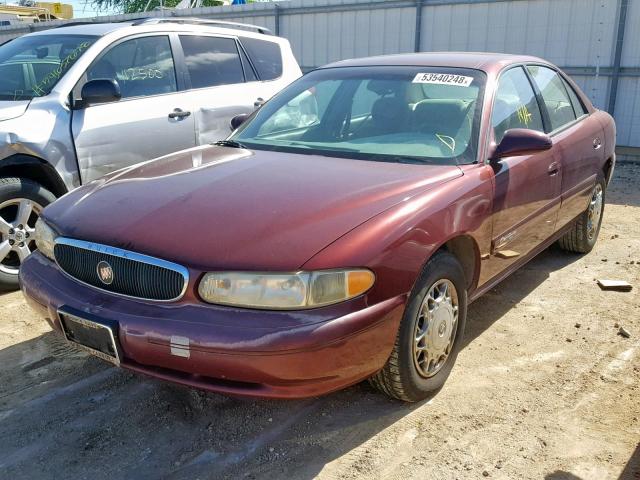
(229, 143)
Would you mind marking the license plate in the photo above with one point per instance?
(96, 338)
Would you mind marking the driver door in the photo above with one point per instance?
(527, 187)
(150, 120)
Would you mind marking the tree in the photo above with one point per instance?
(137, 6)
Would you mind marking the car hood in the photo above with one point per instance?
(12, 109)
(226, 208)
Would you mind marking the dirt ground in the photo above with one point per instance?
(545, 387)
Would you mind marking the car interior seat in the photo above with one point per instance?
(389, 113)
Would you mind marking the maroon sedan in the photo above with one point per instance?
(339, 234)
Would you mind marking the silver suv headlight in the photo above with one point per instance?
(284, 291)
(45, 238)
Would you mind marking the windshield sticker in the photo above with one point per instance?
(54, 75)
(443, 79)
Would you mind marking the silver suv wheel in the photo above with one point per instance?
(17, 221)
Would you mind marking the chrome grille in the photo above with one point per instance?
(133, 274)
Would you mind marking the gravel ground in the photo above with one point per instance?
(545, 387)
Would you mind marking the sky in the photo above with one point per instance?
(80, 6)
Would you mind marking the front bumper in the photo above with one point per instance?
(230, 350)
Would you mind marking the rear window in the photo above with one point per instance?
(266, 57)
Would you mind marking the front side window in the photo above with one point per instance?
(211, 61)
(141, 66)
(554, 95)
(31, 66)
(515, 105)
(402, 114)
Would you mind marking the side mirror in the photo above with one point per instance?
(239, 120)
(100, 91)
(521, 141)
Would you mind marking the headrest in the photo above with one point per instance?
(445, 115)
(383, 87)
(389, 109)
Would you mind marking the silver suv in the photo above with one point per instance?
(80, 101)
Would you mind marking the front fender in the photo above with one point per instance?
(398, 242)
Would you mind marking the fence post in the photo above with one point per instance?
(419, 4)
(276, 18)
(617, 60)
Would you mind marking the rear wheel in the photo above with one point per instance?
(21, 202)
(584, 233)
(430, 333)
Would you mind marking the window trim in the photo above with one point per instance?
(251, 65)
(77, 103)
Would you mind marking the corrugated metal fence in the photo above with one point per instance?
(595, 41)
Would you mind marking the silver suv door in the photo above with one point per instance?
(150, 120)
(222, 83)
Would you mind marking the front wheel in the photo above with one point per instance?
(430, 333)
(584, 232)
(21, 202)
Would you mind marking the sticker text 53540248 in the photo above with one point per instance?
(443, 79)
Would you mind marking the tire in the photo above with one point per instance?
(403, 377)
(584, 232)
(18, 196)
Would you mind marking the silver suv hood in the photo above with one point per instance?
(13, 109)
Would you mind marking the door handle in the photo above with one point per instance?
(554, 168)
(597, 143)
(178, 113)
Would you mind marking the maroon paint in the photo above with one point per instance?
(215, 208)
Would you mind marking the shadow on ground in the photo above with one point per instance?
(632, 468)
(64, 414)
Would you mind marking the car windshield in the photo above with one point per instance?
(395, 114)
(31, 66)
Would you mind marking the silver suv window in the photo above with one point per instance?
(142, 67)
(266, 57)
(32, 66)
(211, 61)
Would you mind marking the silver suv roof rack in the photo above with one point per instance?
(200, 21)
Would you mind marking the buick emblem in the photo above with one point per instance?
(105, 273)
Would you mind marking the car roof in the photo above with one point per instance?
(484, 61)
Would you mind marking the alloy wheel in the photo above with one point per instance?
(17, 227)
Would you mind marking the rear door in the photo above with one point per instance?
(527, 187)
(152, 118)
(576, 138)
(221, 83)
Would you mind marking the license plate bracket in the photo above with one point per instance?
(97, 337)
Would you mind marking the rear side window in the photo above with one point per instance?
(266, 57)
(211, 61)
(554, 96)
(515, 105)
(578, 107)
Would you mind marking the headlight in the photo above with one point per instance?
(284, 291)
(45, 238)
